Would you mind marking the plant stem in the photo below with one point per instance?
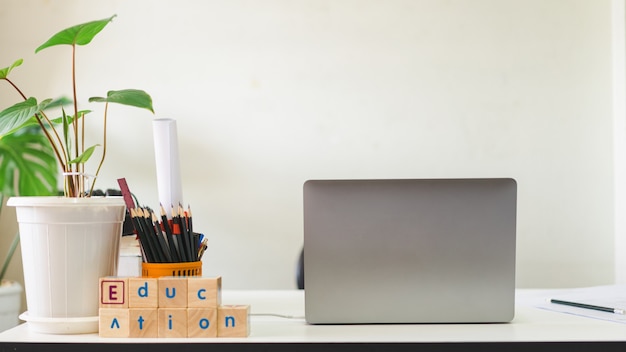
(39, 116)
(104, 148)
(75, 122)
(16, 88)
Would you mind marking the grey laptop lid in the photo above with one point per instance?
(409, 251)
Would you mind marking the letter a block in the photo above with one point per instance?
(143, 322)
(143, 292)
(232, 321)
(113, 292)
(204, 292)
(172, 292)
(202, 322)
(114, 322)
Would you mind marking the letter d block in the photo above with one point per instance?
(233, 321)
(172, 292)
(114, 322)
(204, 292)
(142, 292)
(113, 292)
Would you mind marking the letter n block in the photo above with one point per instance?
(233, 321)
(143, 292)
(113, 292)
(204, 292)
(202, 322)
(143, 322)
(172, 292)
(114, 322)
(172, 322)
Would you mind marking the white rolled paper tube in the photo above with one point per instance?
(167, 163)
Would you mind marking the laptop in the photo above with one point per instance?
(409, 251)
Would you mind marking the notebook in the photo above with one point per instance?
(409, 251)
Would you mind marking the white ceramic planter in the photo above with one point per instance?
(10, 292)
(67, 245)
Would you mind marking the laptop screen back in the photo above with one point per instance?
(409, 251)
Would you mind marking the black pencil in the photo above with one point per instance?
(162, 239)
(589, 306)
(183, 234)
(147, 250)
(170, 237)
(151, 236)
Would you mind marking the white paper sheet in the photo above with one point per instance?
(612, 296)
(167, 163)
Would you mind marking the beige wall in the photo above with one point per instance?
(270, 93)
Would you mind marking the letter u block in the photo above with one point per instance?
(113, 292)
(233, 321)
(204, 292)
(172, 292)
(143, 292)
(114, 322)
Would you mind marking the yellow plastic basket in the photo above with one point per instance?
(171, 269)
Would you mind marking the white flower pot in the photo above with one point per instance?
(67, 245)
(10, 292)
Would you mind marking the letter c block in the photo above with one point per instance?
(204, 292)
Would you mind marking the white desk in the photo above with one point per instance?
(532, 329)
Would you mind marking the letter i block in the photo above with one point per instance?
(202, 322)
(143, 292)
(172, 292)
(233, 321)
(172, 322)
(204, 292)
(113, 292)
(143, 322)
(114, 322)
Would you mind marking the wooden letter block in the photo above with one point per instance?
(143, 322)
(172, 322)
(113, 292)
(172, 292)
(202, 322)
(114, 322)
(143, 292)
(233, 321)
(204, 292)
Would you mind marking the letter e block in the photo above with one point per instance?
(113, 322)
(233, 321)
(113, 292)
(143, 322)
(202, 322)
(143, 292)
(172, 322)
(172, 292)
(204, 292)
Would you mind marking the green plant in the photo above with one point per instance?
(65, 134)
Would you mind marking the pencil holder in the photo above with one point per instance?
(171, 269)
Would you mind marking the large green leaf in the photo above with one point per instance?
(80, 34)
(132, 97)
(4, 72)
(18, 115)
(27, 164)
